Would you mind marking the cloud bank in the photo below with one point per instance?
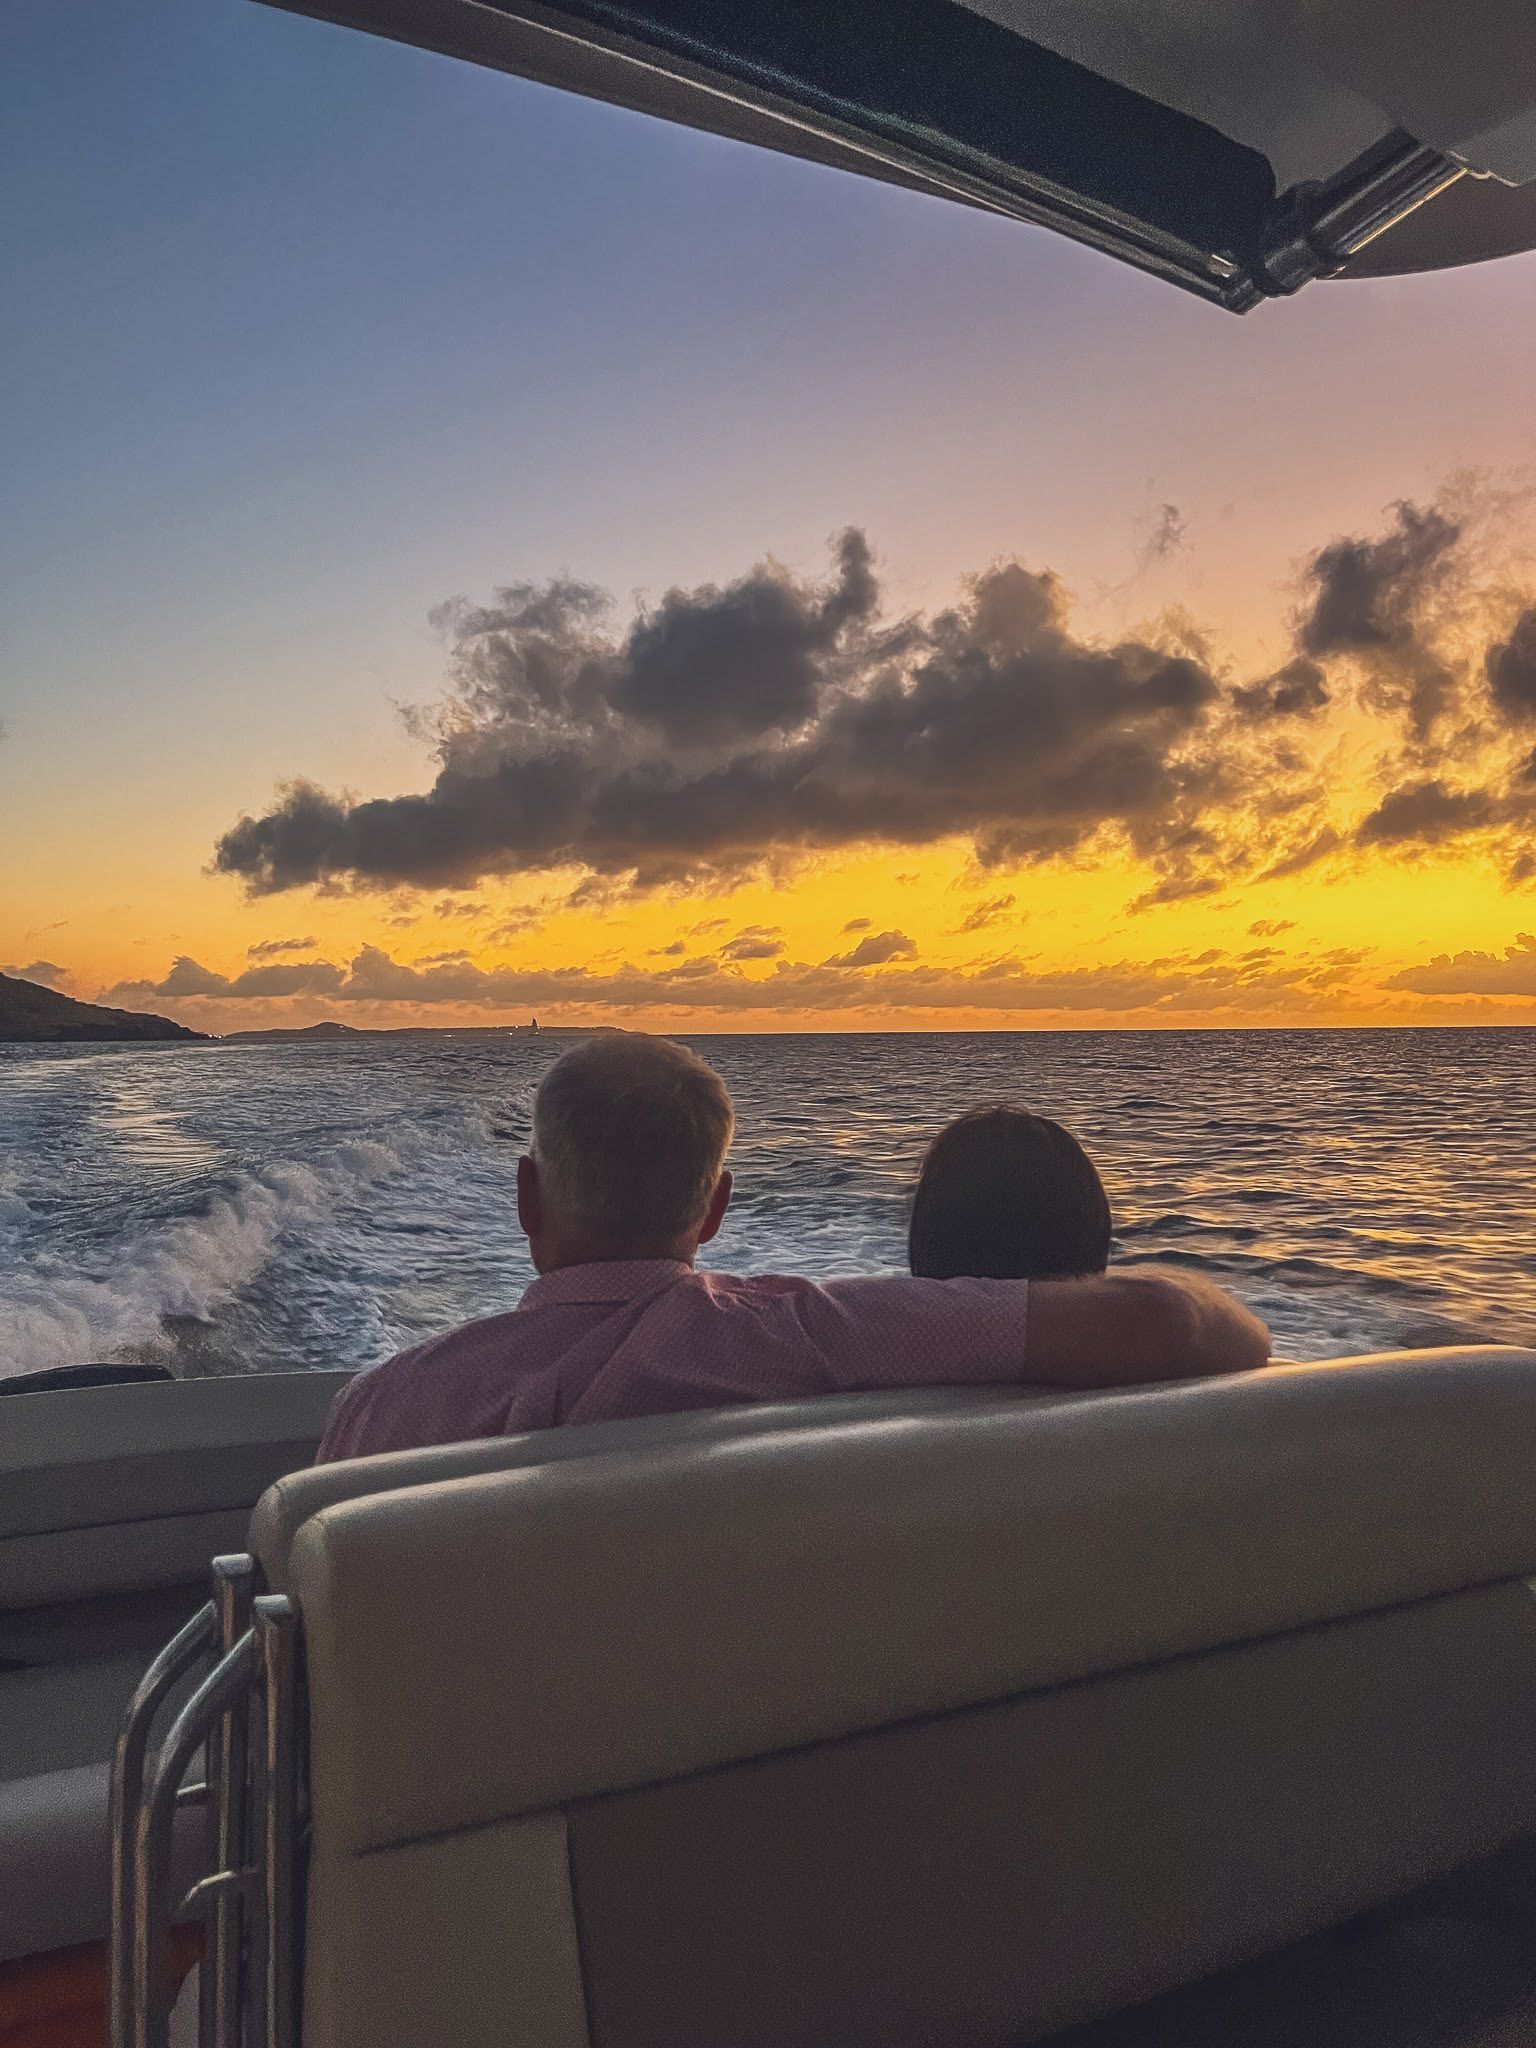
(881, 972)
(737, 728)
(732, 725)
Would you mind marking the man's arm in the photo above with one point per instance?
(348, 1412)
(1125, 1329)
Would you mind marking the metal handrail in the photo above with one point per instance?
(220, 1987)
(244, 1714)
(277, 1638)
(226, 1684)
(196, 1640)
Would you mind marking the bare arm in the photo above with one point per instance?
(1124, 1329)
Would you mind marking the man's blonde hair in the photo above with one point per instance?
(630, 1135)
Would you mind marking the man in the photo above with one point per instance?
(624, 1180)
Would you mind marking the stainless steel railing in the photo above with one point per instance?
(243, 1716)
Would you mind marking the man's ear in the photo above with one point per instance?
(714, 1215)
(530, 1197)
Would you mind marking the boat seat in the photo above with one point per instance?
(290, 1501)
(55, 1868)
(113, 1490)
(57, 1726)
(113, 1501)
(55, 1716)
(964, 1726)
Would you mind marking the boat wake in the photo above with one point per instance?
(190, 1268)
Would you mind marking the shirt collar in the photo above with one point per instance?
(603, 1281)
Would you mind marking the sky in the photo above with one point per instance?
(466, 551)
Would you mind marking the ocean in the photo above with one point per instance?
(253, 1207)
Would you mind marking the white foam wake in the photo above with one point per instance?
(52, 1314)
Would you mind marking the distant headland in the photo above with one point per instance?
(330, 1030)
(31, 1014)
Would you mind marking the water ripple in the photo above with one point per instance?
(239, 1208)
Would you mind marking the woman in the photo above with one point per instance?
(1004, 1195)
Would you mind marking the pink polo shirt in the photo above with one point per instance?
(651, 1336)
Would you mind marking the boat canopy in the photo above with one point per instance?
(1238, 148)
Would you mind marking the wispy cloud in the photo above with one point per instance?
(992, 911)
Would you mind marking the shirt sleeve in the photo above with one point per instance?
(345, 1422)
(902, 1332)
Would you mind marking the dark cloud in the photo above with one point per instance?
(47, 973)
(858, 924)
(669, 952)
(723, 664)
(990, 912)
(297, 977)
(1271, 927)
(772, 716)
(1424, 812)
(269, 949)
(1511, 973)
(188, 977)
(1366, 594)
(1371, 599)
(714, 665)
(1510, 666)
(1296, 691)
(753, 942)
(876, 950)
(733, 730)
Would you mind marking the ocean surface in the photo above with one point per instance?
(255, 1207)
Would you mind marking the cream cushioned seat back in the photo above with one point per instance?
(949, 1728)
(291, 1500)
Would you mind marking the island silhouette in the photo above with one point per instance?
(33, 1014)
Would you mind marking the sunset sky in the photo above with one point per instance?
(467, 551)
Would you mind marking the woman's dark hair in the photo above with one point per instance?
(1004, 1195)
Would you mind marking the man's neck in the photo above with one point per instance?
(554, 1258)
